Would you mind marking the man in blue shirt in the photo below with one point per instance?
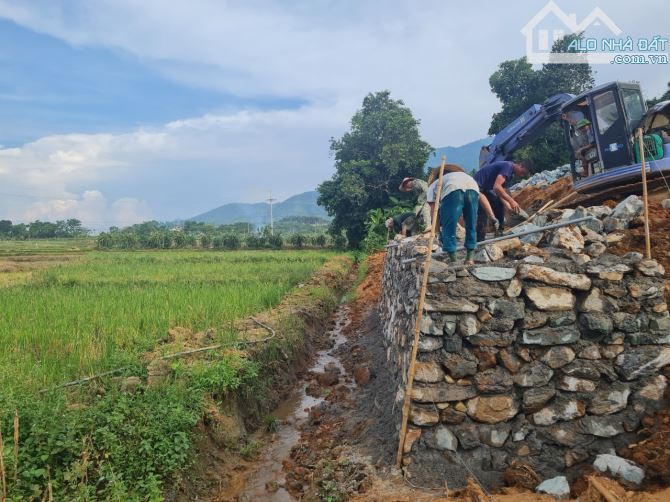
(493, 179)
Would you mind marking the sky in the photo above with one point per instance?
(119, 111)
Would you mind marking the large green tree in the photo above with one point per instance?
(518, 86)
(382, 147)
(664, 97)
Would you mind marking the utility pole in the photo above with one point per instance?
(272, 225)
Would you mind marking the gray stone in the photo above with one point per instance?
(591, 236)
(553, 277)
(654, 388)
(534, 374)
(445, 304)
(429, 343)
(596, 302)
(453, 343)
(642, 361)
(628, 208)
(424, 416)
(628, 323)
(609, 272)
(452, 416)
(573, 384)
(492, 339)
(589, 352)
(569, 238)
(532, 239)
(468, 325)
(493, 381)
(533, 259)
(440, 438)
(562, 319)
(430, 326)
(428, 372)
(534, 319)
(550, 298)
(612, 224)
(535, 399)
(493, 273)
(500, 324)
(559, 356)
(595, 324)
(460, 365)
(557, 487)
(619, 468)
(650, 268)
(442, 392)
(559, 409)
(468, 436)
(609, 400)
(583, 369)
(595, 249)
(494, 435)
(509, 309)
(660, 324)
(551, 336)
(514, 288)
(665, 203)
(449, 325)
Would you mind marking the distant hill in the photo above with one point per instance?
(258, 213)
(466, 156)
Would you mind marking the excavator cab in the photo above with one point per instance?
(612, 110)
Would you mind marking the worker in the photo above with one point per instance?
(418, 188)
(583, 141)
(403, 224)
(493, 179)
(460, 196)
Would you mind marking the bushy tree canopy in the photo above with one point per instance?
(518, 86)
(382, 147)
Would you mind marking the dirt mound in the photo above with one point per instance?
(659, 228)
(531, 198)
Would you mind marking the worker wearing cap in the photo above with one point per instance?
(418, 188)
(493, 180)
(460, 196)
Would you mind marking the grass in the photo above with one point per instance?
(45, 246)
(103, 310)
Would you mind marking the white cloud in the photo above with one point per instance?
(436, 55)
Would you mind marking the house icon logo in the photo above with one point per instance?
(551, 23)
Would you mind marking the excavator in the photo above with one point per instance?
(600, 131)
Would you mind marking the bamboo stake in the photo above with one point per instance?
(647, 238)
(417, 326)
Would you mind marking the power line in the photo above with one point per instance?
(272, 226)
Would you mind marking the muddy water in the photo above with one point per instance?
(291, 415)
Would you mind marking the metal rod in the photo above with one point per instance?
(521, 234)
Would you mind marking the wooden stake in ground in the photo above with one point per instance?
(647, 239)
(16, 447)
(3, 477)
(419, 315)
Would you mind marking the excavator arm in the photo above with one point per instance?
(524, 129)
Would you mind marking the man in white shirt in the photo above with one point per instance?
(460, 196)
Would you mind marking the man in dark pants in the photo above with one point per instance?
(493, 179)
(403, 224)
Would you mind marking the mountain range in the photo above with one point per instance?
(258, 213)
(304, 204)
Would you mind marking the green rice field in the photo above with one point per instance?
(104, 309)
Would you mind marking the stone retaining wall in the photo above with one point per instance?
(547, 356)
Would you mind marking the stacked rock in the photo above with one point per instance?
(549, 356)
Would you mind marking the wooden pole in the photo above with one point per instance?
(419, 315)
(647, 238)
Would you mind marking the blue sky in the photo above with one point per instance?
(114, 111)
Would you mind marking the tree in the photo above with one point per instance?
(382, 147)
(651, 102)
(5, 228)
(518, 86)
